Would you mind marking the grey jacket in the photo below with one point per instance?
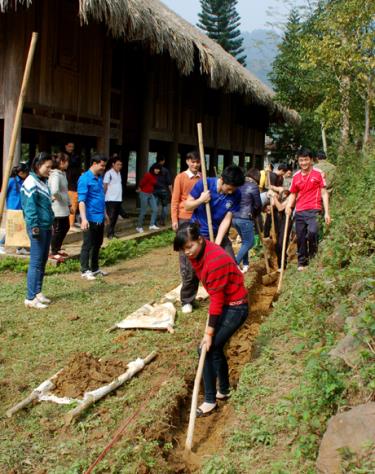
(59, 190)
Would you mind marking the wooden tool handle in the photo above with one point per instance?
(265, 251)
(194, 400)
(283, 253)
(204, 178)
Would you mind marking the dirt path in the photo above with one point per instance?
(209, 432)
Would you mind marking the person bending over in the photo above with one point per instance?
(228, 308)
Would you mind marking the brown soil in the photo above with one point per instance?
(209, 432)
(85, 372)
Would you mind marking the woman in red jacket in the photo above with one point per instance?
(228, 309)
(147, 198)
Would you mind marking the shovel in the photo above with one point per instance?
(283, 254)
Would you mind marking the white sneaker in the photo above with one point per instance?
(187, 308)
(245, 268)
(154, 227)
(43, 299)
(35, 303)
(22, 252)
(139, 229)
(100, 273)
(87, 275)
(2, 251)
(301, 268)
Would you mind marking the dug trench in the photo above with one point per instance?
(210, 431)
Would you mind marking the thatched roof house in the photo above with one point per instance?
(131, 74)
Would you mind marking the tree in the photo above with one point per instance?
(220, 20)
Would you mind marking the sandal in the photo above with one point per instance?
(201, 414)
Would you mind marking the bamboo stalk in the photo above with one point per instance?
(194, 400)
(283, 254)
(17, 122)
(204, 178)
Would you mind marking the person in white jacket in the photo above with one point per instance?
(61, 205)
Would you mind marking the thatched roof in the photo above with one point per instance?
(151, 22)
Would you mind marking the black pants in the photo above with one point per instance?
(92, 241)
(307, 230)
(60, 228)
(190, 281)
(280, 237)
(114, 209)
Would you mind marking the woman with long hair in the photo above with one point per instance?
(37, 210)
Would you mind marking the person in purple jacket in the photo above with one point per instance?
(243, 220)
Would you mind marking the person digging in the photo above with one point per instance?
(228, 308)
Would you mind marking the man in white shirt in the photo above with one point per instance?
(113, 195)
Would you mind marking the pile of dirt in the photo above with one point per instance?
(84, 372)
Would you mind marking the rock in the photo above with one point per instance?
(350, 347)
(337, 318)
(353, 429)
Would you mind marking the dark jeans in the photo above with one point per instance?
(163, 197)
(245, 228)
(60, 228)
(307, 230)
(92, 241)
(216, 365)
(114, 209)
(280, 237)
(39, 249)
(190, 281)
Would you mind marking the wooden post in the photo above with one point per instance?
(144, 145)
(17, 122)
(103, 141)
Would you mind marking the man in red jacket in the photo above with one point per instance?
(307, 191)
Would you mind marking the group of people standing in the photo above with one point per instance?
(235, 200)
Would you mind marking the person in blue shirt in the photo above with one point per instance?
(13, 198)
(224, 198)
(91, 198)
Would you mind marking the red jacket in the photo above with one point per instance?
(148, 182)
(221, 277)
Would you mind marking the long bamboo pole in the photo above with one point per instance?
(198, 377)
(283, 254)
(17, 122)
(204, 178)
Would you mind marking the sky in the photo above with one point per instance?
(254, 13)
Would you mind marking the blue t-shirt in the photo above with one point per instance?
(220, 204)
(91, 192)
(13, 199)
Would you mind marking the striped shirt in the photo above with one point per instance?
(221, 277)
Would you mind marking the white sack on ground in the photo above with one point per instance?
(174, 295)
(158, 316)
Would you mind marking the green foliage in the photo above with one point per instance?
(220, 20)
(295, 342)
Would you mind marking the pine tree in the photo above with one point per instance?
(220, 20)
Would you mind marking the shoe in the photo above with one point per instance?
(221, 396)
(187, 308)
(22, 251)
(139, 229)
(87, 275)
(154, 227)
(2, 251)
(35, 304)
(43, 299)
(245, 268)
(201, 411)
(100, 273)
(301, 268)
